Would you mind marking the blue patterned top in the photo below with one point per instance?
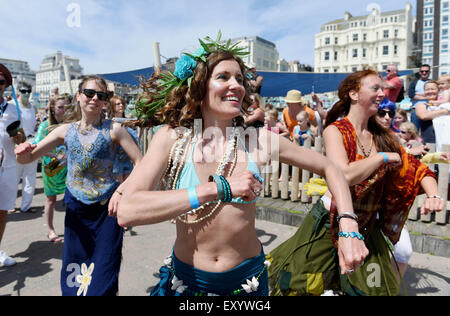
(90, 160)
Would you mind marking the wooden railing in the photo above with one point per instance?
(285, 185)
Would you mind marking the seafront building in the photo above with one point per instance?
(374, 40)
(433, 35)
(57, 71)
(20, 70)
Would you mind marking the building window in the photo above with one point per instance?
(335, 55)
(395, 49)
(364, 53)
(386, 50)
(365, 37)
(336, 41)
(355, 53)
(355, 37)
(445, 32)
(386, 34)
(327, 56)
(327, 41)
(396, 33)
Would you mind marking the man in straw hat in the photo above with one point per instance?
(8, 185)
(294, 106)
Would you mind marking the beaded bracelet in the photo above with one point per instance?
(352, 234)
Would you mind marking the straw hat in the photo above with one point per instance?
(6, 74)
(293, 96)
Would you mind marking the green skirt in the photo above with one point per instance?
(308, 264)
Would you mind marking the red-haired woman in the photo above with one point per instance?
(384, 182)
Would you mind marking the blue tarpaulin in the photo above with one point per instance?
(129, 77)
(277, 84)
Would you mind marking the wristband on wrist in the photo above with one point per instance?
(386, 159)
(193, 198)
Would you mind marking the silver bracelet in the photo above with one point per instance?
(347, 215)
(435, 197)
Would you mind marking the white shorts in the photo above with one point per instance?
(8, 191)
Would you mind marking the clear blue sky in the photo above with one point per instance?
(117, 35)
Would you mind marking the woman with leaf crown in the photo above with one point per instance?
(203, 169)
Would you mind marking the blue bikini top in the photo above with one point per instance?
(189, 178)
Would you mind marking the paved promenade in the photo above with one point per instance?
(39, 261)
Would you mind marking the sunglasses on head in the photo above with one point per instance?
(382, 113)
(2, 82)
(90, 93)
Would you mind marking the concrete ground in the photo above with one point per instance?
(39, 261)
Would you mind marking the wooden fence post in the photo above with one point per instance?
(305, 174)
(441, 217)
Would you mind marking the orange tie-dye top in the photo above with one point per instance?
(390, 193)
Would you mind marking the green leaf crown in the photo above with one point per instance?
(184, 73)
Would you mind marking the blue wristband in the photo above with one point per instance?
(193, 198)
(384, 156)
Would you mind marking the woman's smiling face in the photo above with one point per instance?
(225, 90)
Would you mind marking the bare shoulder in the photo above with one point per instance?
(61, 130)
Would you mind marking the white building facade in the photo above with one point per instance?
(444, 56)
(263, 53)
(371, 41)
(20, 71)
(57, 71)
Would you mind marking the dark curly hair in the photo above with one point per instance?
(182, 104)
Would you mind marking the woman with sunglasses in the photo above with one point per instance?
(93, 239)
(384, 182)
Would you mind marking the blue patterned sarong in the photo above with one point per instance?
(197, 282)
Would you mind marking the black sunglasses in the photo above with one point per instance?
(90, 93)
(2, 82)
(24, 91)
(382, 113)
(424, 71)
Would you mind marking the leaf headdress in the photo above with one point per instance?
(183, 75)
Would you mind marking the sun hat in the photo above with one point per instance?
(293, 96)
(6, 74)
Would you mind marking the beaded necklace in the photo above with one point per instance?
(232, 145)
(362, 147)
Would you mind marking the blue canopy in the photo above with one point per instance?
(277, 84)
(129, 77)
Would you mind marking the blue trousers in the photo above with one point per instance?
(92, 250)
